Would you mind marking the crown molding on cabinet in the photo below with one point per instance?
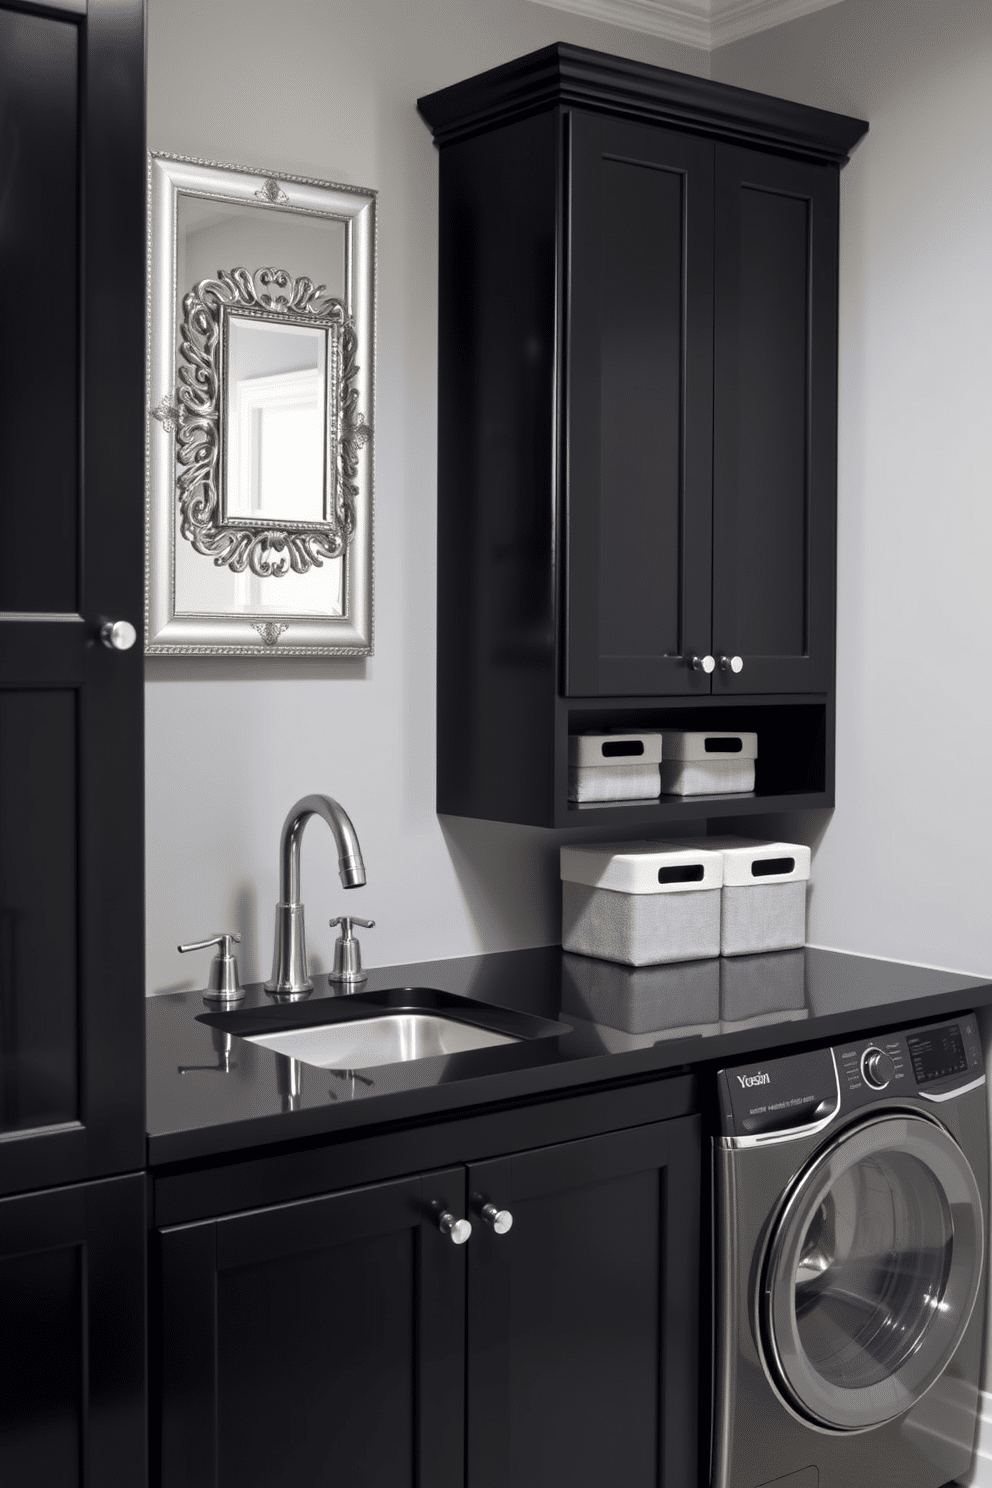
(697, 23)
(563, 75)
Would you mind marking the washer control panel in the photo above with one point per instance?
(799, 1092)
(933, 1062)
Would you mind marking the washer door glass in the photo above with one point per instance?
(872, 1271)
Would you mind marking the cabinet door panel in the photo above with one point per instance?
(72, 1336)
(774, 401)
(639, 408)
(325, 1340)
(582, 1322)
(71, 712)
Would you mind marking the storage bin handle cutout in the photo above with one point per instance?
(765, 867)
(723, 746)
(682, 873)
(619, 747)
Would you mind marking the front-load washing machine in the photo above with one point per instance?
(851, 1213)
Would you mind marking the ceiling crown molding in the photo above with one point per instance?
(698, 23)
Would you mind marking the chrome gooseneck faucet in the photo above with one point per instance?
(289, 955)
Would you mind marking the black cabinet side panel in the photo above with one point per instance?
(496, 415)
(639, 414)
(39, 370)
(39, 973)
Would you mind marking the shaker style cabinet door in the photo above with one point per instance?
(71, 481)
(639, 409)
(72, 1337)
(583, 1321)
(316, 1342)
(775, 398)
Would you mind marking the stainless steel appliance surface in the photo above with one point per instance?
(851, 1212)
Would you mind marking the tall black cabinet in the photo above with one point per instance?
(637, 415)
(71, 800)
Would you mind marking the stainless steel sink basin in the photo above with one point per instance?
(392, 1038)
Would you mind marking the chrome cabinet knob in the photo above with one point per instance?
(705, 664)
(118, 635)
(457, 1230)
(499, 1220)
(733, 664)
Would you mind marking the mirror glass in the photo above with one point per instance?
(275, 451)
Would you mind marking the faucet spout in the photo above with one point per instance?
(289, 957)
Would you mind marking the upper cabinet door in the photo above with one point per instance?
(774, 461)
(71, 478)
(639, 409)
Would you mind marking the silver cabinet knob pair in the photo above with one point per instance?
(709, 664)
(460, 1230)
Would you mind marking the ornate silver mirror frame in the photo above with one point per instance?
(261, 320)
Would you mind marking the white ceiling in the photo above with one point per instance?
(698, 23)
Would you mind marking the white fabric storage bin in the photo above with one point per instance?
(706, 764)
(614, 783)
(641, 903)
(614, 766)
(764, 895)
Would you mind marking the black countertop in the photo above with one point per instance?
(624, 1024)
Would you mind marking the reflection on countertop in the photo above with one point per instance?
(617, 1023)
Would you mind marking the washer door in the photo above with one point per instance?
(871, 1272)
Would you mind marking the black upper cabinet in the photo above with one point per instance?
(71, 477)
(774, 416)
(637, 410)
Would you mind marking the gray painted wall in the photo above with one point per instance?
(902, 868)
(327, 88)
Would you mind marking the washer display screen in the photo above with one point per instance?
(937, 1053)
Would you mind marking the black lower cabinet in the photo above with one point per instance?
(72, 1336)
(346, 1339)
(315, 1343)
(583, 1317)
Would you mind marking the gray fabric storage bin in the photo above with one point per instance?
(762, 910)
(615, 766)
(720, 762)
(641, 903)
(613, 783)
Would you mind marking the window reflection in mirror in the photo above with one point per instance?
(276, 427)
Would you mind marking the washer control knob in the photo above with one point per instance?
(877, 1068)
